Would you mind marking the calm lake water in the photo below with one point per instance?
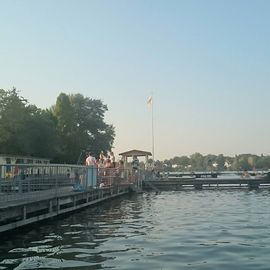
(218, 229)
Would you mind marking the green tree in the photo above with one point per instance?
(24, 129)
(208, 162)
(167, 165)
(13, 114)
(196, 161)
(40, 135)
(181, 162)
(221, 162)
(81, 126)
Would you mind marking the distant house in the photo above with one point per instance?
(9, 168)
(13, 159)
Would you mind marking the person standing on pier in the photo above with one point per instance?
(91, 179)
(135, 167)
(101, 157)
(90, 160)
(135, 163)
(112, 158)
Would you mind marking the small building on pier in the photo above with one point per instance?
(135, 153)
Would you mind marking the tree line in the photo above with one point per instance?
(62, 133)
(199, 162)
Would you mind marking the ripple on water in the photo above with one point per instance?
(173, 230)
(50, 263)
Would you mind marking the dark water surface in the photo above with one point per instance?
(171, 230)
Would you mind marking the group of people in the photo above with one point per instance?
(107, 167)
(103, 161)
(109, 161)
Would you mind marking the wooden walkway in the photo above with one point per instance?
(23, 208)
(36, 206)
(178, 183)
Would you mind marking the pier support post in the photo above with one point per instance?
(253, 185)
(58, 205)
(198, 186)
(50, 206)
(24, 212)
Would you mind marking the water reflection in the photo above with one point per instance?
(171, 230)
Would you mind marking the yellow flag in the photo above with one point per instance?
(150, 101)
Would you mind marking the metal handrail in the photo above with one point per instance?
(20, 180)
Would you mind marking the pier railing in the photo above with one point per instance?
(24, 180)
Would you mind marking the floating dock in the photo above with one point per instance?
(180, 183)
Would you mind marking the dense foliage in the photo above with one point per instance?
(72, 126)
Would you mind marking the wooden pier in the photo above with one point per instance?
(180, 183)
(38, 206)
(32, 193)
(38, 192)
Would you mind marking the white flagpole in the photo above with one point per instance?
(150, 102)
(153, 141)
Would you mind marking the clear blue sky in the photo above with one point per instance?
(207, 62)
